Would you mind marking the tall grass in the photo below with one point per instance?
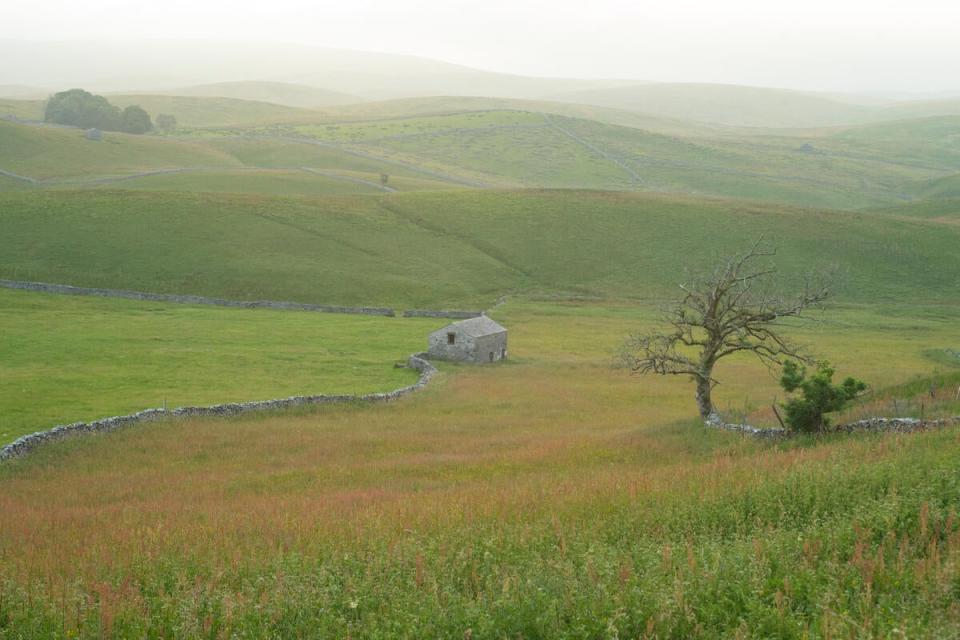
(548, 497)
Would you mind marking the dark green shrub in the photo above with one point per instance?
(819, 395)
(81, 108)
(135, 120)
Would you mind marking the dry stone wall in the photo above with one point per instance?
(25, 444)
(898, 425)
(188, 299)
(427, 313)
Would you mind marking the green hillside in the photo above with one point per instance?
(867, 166)
(262, 181)
(724, 104)
(743, 106)
(61, 152)
(198, 111)
(281, 93)
(923, 141)
(939, 189)
(939, 211)
(846, 169)
(63, 157)
(446, 105)
(456, 248)
(25, 109)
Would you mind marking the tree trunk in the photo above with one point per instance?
(704, 403)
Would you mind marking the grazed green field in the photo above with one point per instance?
(66, 358)
(48, 152)
(461, 248)
(257, 181)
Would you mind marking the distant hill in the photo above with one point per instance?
(124, 67)
(23, 109)
(921, 109)
(855, 167)
(443, 105)
(742, 106)
(282, 93)
(23, 92)
(43, 152)
(196, 111)
(725, 104)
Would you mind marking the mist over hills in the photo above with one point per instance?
(756, 106)
(163, 64)
(320, 78)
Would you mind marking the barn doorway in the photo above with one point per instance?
(491, 356)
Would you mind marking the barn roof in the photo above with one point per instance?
(476, 327)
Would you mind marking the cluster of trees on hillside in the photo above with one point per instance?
(81, 108)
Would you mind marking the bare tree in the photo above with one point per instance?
(729, 310)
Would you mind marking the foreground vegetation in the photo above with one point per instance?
(551, 496)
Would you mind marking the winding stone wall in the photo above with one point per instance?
(427, 313)
(188, 299)
(898, 425)
(27, 443)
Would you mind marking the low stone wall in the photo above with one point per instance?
(427, 313)
(25, 444)
(898, 425)
(188, 299)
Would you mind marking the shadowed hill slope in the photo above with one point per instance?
(459, 248)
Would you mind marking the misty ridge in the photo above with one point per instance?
(315, 78)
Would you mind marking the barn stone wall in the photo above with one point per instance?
(462, 349)
(25, 444)
(495, 344)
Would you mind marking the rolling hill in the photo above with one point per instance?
(457, 248)
(212, 112)
(867, 166)
(743, 106)
(43, 152)
(282, 93)
(724, 104)
(122, 66)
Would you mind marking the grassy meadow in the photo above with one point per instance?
(65, 358)
(551, 496)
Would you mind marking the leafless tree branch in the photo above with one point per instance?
(732, 309)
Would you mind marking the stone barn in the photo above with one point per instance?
(473, 340)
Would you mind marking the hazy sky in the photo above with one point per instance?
(859, 45)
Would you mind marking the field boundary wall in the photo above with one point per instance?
(23, 445)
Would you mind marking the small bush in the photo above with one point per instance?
(819, 395)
